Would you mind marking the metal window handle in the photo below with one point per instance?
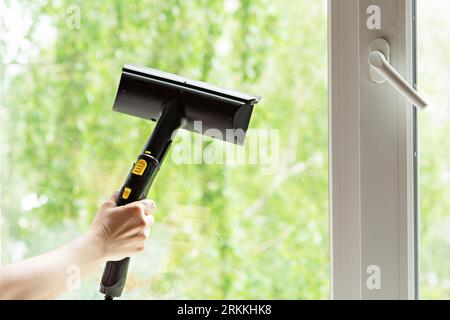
(377, 60)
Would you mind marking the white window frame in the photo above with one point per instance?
(373, 155)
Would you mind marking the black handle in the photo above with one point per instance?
(138, 184)
(135, 188)
(114, 277)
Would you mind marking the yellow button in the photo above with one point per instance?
(126, 193)
(139, 167)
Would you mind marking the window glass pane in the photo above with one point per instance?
(434, 145)
(223, 230)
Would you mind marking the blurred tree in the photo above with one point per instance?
(224, 231)
(434, 128)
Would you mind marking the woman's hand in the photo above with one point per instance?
(116, 232)
(122, 231)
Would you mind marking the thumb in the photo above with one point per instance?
(112, 201)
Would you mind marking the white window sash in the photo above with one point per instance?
(372, 156)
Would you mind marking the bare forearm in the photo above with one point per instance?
(47, 276)
(116, 232)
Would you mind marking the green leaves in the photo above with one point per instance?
(222, 231)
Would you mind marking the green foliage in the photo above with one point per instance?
(434, 130)
(222, 231)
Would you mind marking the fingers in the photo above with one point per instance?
(114, 196)
(144, 232)
(137, 215)
(126, 227)
(149, 206)
(111, 202)
(146, 207)
(150, 220)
